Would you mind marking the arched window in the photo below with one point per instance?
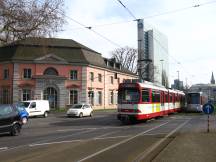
(50, 71)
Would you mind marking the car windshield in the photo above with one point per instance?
(24, 104)
(20, 108)
(77, 106)
(5, 109)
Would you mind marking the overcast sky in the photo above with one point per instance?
(190, 32)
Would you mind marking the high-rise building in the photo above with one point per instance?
(156, 49)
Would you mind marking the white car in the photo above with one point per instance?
(80, 110)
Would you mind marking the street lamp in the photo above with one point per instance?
(162, 77)
(178, 78)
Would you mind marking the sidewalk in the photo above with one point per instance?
(192, 147)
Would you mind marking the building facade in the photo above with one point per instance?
(208, 89)
(59, 70)
(156, 48)
(178, 84)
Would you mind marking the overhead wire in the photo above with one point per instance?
(90, 28)
(158, 42)
(127, 9)
(135, 19)
(152, 16)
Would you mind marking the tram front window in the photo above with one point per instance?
(128, 95)
(194, 99)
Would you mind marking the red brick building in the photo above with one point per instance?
(59, 70)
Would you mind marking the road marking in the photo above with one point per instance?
(80, 140)
(3, 148)
(154, 146)
(154, 134)
(65, 130)
(12, 148)
(50, 143)
(124, 141)
(112, 137)
(104, 135)
(116, 127)
(47, 141)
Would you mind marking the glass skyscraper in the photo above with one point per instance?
(156, 49)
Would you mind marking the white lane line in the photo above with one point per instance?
(154, 146)
(116, 127)
(50, 143)
(65, 130)
(111, 137)
(57, 138)
(12, 148)
(124, 141)
(78, 129)
(104, 135)
(154, 134)
(3, 148)
(80, 140)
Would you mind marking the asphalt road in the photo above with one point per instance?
(101, 138)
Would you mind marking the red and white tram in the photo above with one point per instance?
(142, 101)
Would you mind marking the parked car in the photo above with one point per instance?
(24, 115)
(80, 110)
(37, 107)
(10, 120)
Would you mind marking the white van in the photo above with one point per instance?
(37, 107)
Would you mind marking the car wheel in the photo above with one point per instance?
(45, 114)
(91, 114)
(15, 130)
(24, 120)
(81, 115)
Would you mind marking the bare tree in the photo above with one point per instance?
(29, 18)
(127, 57)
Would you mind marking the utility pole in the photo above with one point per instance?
(178, 78)
(140, 61)
(162, 76)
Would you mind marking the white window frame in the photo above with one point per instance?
(73, 75)
(25, 92)
(70, 103)
(27, 73)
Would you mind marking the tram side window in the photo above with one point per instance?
(173, 98)
(166, 97)
(145, 95)
(170, 98)
(162, 98)
(155, 96)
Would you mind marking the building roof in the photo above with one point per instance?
(59, 50)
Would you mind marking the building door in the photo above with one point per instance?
(50, 94)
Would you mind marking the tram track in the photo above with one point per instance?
(102, 143)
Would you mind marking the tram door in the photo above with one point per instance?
(162, 102)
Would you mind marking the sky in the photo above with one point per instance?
(190, 31)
